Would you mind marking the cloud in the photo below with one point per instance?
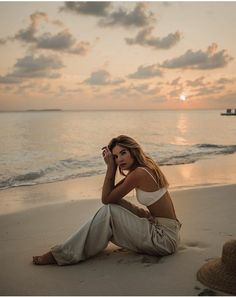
(97, 9)
(210, 90)
(102, 77)
(210, 59)
(32, 66)
(225, 80)
(175, 81)
(28, 34)
(144, 38)
(136, 90)
(145, 72)
(62, 41)
(9, 79)
(196, 83)
(146, 89)
(134, 18)
(175, 92)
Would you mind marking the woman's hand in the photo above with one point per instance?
(108, 158)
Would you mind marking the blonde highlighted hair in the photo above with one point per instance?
(141, 159)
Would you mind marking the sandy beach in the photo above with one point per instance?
(208, 221)
(86, 85)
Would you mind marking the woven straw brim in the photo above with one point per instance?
(214, 275)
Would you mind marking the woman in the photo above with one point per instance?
(154, 231)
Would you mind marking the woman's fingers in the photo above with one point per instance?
(106, 148)
(106, 151)
(107, 156)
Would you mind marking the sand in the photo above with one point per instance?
(207, 214)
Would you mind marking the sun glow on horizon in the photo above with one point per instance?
(182, 97)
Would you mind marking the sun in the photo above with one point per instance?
(182, 97)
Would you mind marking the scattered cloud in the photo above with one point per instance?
(196, 82)
(175, 93)
(28, 34)
(138, 17)
(102, 77)
(135, 17)
(144, 72)
(225, 80)
(62, 41)
(146, 89)
(210, 90)
(136, 90)
(98, 9)
(175, 81)
(32, 66)
(210, 59)
(145, 38)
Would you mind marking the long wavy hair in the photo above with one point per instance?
(140, 158)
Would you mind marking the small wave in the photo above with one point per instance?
(29, 176)
(166, 154)
(191, 154)
(21, 179)
(208, 145)
(217, 149)
(53, 173)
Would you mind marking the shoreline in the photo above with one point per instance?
(214, 172)
(208, 222)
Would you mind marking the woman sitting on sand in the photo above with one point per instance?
(154, 231)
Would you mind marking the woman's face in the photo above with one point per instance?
(123, 157)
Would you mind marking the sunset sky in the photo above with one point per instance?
(117, 55)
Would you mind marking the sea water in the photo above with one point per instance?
(47, 146)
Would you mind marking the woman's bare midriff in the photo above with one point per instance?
(163, 208)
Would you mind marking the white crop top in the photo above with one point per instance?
(148, 198)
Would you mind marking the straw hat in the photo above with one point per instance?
(220, 273)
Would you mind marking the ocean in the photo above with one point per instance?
(47, 146)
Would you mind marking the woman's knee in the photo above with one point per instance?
(113, 210)
(108, 208)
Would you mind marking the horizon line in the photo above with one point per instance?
(86, 110)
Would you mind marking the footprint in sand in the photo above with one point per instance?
(146, 260)
(150, 259)
(196, 245)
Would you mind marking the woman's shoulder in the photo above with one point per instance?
(146, 171)
(142, 172)
(138, 172)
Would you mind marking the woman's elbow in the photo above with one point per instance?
(105, 200)
(108, 200)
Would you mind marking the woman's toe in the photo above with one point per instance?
(36, 260)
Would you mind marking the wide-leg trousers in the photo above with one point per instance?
(124, 225)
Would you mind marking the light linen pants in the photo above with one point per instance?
(125, 225)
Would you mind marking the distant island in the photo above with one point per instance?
(52, 109)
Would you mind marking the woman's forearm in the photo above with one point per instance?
(109, 183)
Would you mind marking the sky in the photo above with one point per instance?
(117, 55)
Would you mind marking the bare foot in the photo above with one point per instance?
(46, 259)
